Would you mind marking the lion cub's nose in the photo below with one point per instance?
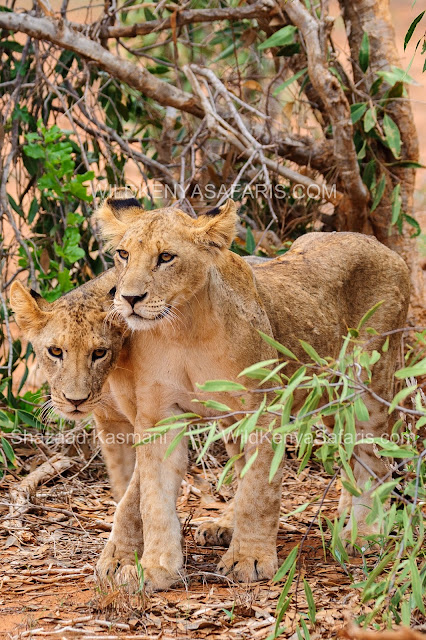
(132, 300)
(76, 401)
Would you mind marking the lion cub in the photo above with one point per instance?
(77, 345)
(195, 309)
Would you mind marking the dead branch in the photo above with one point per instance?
(262, 7)
(241, 137)
(20, 494)
(60, 34)
(94, 522)
(334, 99)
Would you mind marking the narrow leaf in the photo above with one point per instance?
(280, 38)
(364, 52)
(379, 192)
(411, 29)
(392, 134)
(287, 564)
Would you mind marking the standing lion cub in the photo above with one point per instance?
(195, 310)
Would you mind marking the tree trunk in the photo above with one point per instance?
(373, 17)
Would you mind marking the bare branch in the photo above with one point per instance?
(262, 7)
(60, 34)
(334, 99)
(243, 140)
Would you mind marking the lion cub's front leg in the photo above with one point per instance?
(117, 561)
(160, 480)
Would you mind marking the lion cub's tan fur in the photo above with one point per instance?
(196, 317)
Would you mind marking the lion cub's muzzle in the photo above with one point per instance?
(75, 408)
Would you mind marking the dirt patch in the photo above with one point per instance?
(47, 584)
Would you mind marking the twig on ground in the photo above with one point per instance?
(20, 494)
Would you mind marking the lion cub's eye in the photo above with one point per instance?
(165, 257)
(124, 255)
(56, 352)
(98, 353)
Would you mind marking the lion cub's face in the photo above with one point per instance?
(162, 257)
(75, 344)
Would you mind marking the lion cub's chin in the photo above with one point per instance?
(74, 415)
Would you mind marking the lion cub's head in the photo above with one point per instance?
(162, 257)
(76, 344)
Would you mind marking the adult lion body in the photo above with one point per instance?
(217, 304)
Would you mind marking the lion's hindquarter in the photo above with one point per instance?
(326, 283)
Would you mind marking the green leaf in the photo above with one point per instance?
(400, 396)
(417, 584)
(249, 463)
(33, 210)
(217, 406)
(277, 459)
(396, 75)
(411, 28)
(364, 52)
(8, 451)
(310, 600)
(257, 367)
(287, 564)
(392, 134)
(413, 222)
(227, 468)
(379, 192)
(34, 151)
(369, 174)
(312, 353)
(250, 241)
(289, 81)
(418, 369)
(174, 443)
(361, 410)
(370, 119)
(280, 38)
(221, 385)
(27, 418)
(407, 164)
(279, 347)
(368, 314)
(396, 203)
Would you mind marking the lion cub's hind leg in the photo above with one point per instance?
(367, 465)
(252, 554)
(217, 532)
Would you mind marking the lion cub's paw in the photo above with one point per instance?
(249, 568)
(362, 543)
(117, 567)
(212, 534)
(159, 579)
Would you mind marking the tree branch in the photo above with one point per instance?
(60, 34)
(330, 92)
(185, 17)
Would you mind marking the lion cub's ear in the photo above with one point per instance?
(26, 305)
(116, 213)
(218, 227)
